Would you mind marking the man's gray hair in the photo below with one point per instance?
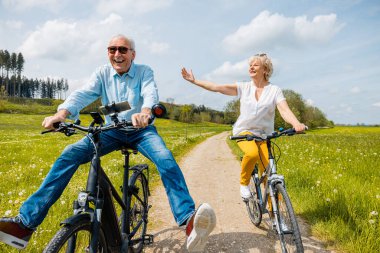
(121, 36)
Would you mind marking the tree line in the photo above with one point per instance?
(13, 84)
(308, 114)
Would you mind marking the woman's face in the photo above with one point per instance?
(256, 69)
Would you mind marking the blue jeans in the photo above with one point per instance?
(146, 140)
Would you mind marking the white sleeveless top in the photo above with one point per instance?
(255, 116)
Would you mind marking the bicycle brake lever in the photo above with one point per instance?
(69, 131)
(48, 131)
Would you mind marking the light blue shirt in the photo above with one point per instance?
(137, 87)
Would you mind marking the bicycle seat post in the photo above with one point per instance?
(126, 152)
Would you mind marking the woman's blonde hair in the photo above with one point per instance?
(267, 63)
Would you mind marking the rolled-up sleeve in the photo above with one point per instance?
(149, 90)
(82, 97)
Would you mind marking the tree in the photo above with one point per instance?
(7, 67)
(231, 111)
(185, 113)
(2, 63)
(20, 64)
(311, 116)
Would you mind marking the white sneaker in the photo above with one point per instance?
(245, 193)
(199, 227)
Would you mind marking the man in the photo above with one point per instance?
(120, 80)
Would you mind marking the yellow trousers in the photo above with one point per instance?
(254, 152)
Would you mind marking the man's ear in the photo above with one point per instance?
(133, 54)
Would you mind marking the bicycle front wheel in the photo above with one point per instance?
(253, 205)
(290, 236)
(75, 238)
(138, 211)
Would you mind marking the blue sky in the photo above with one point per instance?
(328, 51)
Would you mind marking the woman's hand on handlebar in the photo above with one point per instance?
(300, 127)
(60, 116)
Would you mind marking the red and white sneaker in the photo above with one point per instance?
(199, 227)
(14, 233)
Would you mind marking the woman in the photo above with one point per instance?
(258, 101)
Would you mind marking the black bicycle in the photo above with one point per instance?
(270, 184)
(96, 225)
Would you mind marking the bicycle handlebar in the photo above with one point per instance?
(287, 132)
(69, 128)
(158, 111)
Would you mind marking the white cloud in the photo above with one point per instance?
(62, 39)
(55, 39)
(275, 30)
(60, 44)
(376, 104)
(27, 4)
(355, 90)
(13, 24)
(131, 6)
(310, 102)
(158, 47)
(229, 72)
(111, 19)
(346, 108)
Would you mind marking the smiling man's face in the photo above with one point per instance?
(121, 54)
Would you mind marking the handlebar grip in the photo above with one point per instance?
(237, 137)
(56, 125)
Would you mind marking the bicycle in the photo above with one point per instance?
(96, 225)
(282, 215)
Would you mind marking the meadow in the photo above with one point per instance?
(26, 156)
(333, 178)
(332, 175)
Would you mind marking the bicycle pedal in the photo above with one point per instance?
(148, 239)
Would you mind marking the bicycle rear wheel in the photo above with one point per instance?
(75, 238)
(290, 236)
(252, 204)
(138, 211)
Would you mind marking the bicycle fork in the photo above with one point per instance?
(273, 181)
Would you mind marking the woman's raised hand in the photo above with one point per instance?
(188, 76)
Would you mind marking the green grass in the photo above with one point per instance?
(333, 178)
(26, 156)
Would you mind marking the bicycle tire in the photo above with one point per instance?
(252, 204)
(138, 211)
(79, 234)
(290, 239)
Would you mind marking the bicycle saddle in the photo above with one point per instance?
(128, 149)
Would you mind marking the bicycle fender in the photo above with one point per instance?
(139, 171)
(139, 167)
(277, 179)
(75, 218)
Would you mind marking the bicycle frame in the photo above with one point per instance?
(95, 206)
(282, 213)
(101, 192)
(273, 179)
(270, 173)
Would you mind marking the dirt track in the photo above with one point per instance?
(212, 175)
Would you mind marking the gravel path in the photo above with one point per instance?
(212, 175)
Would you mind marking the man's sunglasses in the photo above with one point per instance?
(122, 50)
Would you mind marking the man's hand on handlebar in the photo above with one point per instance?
(141, 119)
(60, 116)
